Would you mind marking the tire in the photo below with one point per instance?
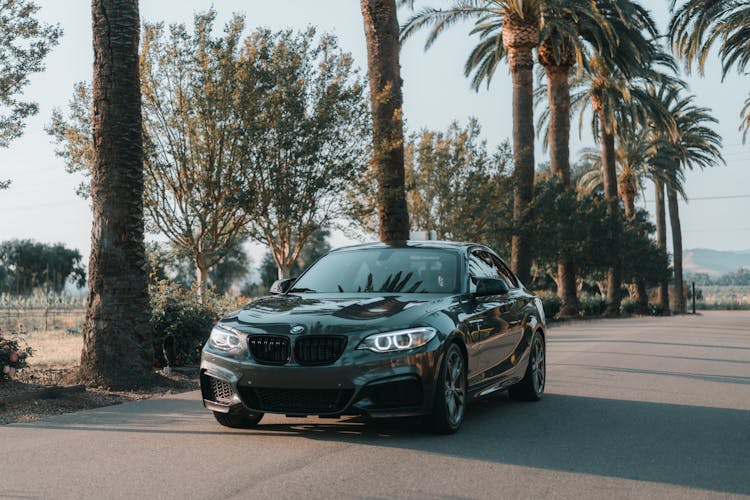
(450, 394)
(237, 420)
(531, 386)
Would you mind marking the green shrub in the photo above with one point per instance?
(181, 322)
(592, 305)
(551, 304)
(628, 307)
(656, 309)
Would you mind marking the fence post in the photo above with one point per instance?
(693, 297)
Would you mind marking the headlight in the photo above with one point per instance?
(224, 338)
(401, 340)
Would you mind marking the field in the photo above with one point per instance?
(53, 348)
(723, 297)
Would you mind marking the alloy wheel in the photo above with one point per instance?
(455, 387)
(538, 365)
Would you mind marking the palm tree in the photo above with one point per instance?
(636, 160)
(117, 348)
(609, 30)
(382, 32)
(699, 24)
(669, 95)
(512, 27)
(694, 145)
(661, 240)
(632, 152)
(565, 40)
(615, 89)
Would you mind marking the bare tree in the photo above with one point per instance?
(305, 137)
(195, 160)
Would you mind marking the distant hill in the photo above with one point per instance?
(714, 262)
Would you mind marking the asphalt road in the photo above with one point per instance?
(637, 408)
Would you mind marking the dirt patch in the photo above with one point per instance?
(41, 391)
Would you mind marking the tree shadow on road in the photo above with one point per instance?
(592, 340)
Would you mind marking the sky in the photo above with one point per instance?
(41, 203)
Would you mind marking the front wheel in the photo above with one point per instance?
(238, 421)
(450, 397)
(531, 386)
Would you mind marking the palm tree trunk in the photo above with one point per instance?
(520, 36)
(614, 273)
(627, 191)
(381, 32)
(674, 221)
(661, 239)
(558, 96)
(117, 346)
(628, 199)
(641, 297)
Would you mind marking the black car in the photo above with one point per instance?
(419, 328)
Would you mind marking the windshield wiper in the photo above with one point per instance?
(301, 290)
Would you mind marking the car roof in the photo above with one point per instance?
(445, 245)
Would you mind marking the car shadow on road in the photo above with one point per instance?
(691, 446)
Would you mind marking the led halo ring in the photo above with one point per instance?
(398, 341)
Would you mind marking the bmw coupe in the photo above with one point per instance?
(411, 329)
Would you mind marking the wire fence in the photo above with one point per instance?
(25, 319)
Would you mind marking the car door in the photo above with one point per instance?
(513, 311)
(488, 326)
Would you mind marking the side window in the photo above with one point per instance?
(508, 276)
(481, 265)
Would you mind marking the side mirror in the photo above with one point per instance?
(281, 286)
(490, 286)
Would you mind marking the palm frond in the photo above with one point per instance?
(745, 124)
(441, 19)
(698, 25)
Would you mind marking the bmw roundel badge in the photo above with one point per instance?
(297, 329)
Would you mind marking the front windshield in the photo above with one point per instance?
(405, 270)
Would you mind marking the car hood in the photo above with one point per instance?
(336, 313)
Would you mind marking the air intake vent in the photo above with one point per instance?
(217, 390)
(306, 401)
(318, 350)
(269, 349)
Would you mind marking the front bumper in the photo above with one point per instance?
(360, 382)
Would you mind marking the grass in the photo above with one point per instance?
(53, 347)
